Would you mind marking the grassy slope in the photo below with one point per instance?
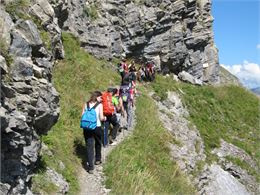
(74, 78)
(138, 166)
(142, 162)
(150, 170)
(228, 112)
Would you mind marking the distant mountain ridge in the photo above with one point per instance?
(256, 91)
(227, 78)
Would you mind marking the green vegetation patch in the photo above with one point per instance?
(142, 163)
(42, 184)
(91, 11)
(17, 8)
(74, 78)
(225, 112)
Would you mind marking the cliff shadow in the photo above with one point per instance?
(81, 151)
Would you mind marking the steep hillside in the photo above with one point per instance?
(229, 128)
(75, 78)
(226, 78)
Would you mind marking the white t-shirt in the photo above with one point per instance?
(97, 109)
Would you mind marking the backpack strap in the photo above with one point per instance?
(93, 106)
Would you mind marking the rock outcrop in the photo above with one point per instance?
(176, 34)
(29, 102)
(222, 177)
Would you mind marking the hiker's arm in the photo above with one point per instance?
(121, 104)
(121, 107)
(83, 109)
(101, 115)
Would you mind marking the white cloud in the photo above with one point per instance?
(247, 72)
(258, 46)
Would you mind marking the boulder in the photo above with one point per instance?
(186, 77)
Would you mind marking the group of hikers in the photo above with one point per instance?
(104, 111)
(146, 72)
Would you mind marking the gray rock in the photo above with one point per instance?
(7, 91)
(4, 188)
(21, 69)
(6, 24)
(221, 182)
(47, 111)
(190, 149)
(43, 10)
(3, 118)
(178, 33)
(185, 76)
(228, 149)
(25, 81)
(20, 47)
(29, 31)
(58, 180)
(3, 65)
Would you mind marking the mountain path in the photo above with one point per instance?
(93, 184)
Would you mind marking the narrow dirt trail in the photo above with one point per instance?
(93, 184)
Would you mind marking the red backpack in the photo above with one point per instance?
(108, 107)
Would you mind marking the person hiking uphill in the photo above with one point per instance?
(118, 103)
(149, 71)
(123, 68)
(126, 95)
(92, 115)
(110, 112)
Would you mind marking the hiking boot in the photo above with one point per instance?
(91, 171)
(98, 162)
(113, 143)
(120, 129)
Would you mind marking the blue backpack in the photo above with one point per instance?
(89, 118)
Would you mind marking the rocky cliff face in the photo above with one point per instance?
(29, 102)
(176, 34)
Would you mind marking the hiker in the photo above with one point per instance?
(149, 71)
(118, 103)
(125, 94)
(93, 132)
(122, 68)
(132, 67)
(141, 74)
(110, 112)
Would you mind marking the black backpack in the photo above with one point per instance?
(125, 93)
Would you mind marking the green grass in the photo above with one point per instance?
(17, 8)
(42, 185)
(74, 78)
(226, 112)
(91, 11)
(142, 163)
(46, 39)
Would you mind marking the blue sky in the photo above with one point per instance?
(237, 36)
